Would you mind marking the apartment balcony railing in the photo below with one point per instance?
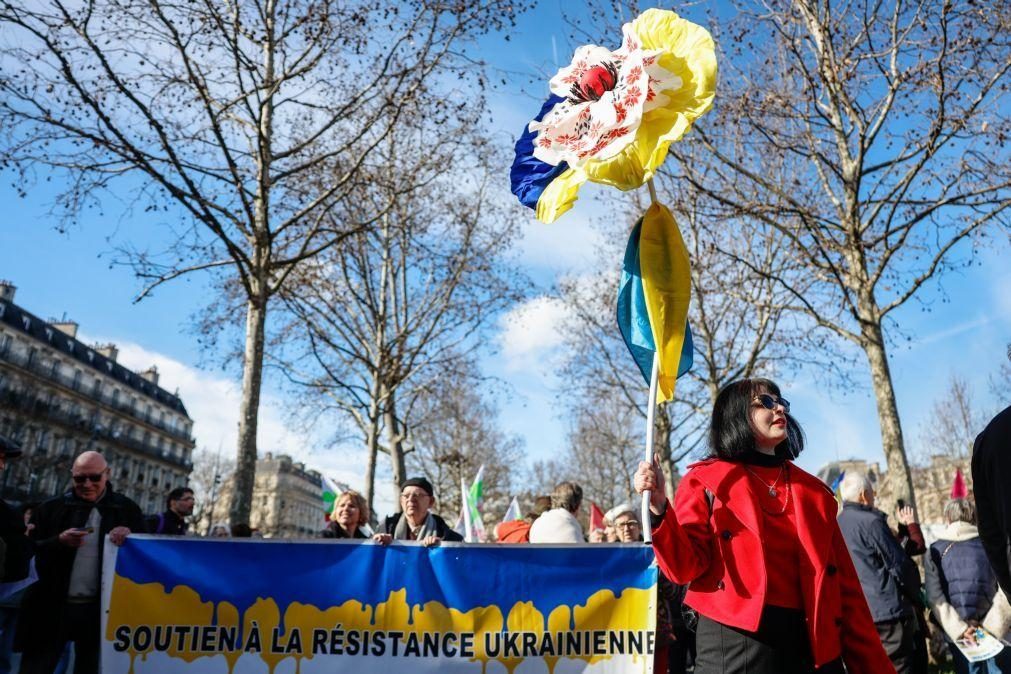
(29, 405)
(103, 397)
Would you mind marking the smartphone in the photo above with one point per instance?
(87, 530)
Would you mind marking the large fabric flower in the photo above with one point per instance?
(613, 114)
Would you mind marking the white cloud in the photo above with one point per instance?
(212, 401)
(531, 331)
(952, 331)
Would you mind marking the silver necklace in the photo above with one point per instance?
(770, 487)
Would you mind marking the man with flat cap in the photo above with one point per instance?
(417, 522)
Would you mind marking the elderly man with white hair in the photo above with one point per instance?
(888, 576)
(625, 520)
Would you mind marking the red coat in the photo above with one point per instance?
(719, 553)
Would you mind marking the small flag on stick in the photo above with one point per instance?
(331, 492)
(513, 513)
(958, 488)
(596, 517)
(476, 498)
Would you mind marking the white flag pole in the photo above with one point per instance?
(465, 501)
(647, 530)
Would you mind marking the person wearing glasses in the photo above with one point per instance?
(756, 540)
(64, 605)
(417, 522)
(625, 521)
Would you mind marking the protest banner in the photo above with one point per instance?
(237, 606)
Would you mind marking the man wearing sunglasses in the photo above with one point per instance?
(64, 605)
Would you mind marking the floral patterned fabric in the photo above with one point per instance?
(618, 111)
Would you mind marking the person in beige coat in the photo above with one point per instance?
(962, 590)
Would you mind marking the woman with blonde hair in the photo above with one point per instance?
(350, 513)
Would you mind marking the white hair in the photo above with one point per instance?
(617, 511)
(853, 485)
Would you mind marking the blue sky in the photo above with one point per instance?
(965, 331)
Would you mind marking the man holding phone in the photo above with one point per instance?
(64, 605)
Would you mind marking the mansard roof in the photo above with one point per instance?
(28, 323)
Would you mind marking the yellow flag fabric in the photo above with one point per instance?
(559, 195)
(666, 280)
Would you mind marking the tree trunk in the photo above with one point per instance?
(258, 295)
(898, 480)
(372, 445)
(396, 444)
(252, 378)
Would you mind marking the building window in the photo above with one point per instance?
(115, 397)
(32, 353)
(96, 392)
(5, 344)
(76, 385)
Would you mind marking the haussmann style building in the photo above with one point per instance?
(287, 499)
(60, 397)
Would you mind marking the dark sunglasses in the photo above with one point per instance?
(94, 477)
(769, 402)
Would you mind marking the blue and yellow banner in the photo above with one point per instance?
(229, 606)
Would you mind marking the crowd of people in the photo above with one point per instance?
(761, 569)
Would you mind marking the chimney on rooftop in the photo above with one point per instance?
(68, 328)
(110, 351)
(7, 290)
(151, 374)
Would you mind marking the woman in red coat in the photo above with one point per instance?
(756, 540)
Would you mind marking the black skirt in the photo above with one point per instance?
(779, 646)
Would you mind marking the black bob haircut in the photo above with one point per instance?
(731, 436)
(177, 494)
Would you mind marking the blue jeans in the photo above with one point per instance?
(1000, 664)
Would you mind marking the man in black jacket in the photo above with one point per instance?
(890, 579)
(172, 522)
(64, 605)
(17, 550)
(417, 522)
(991, 484)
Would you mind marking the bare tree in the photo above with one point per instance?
(1000, 383)
(953, 423)
(605, 444)
(737, 316)
(455, 432)
(376, 320)
(871, 140)
(211, 473)
(218, 112)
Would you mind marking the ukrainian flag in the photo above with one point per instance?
(653, 299)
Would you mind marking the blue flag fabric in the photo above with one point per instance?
(530, 176)
(633, 318)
